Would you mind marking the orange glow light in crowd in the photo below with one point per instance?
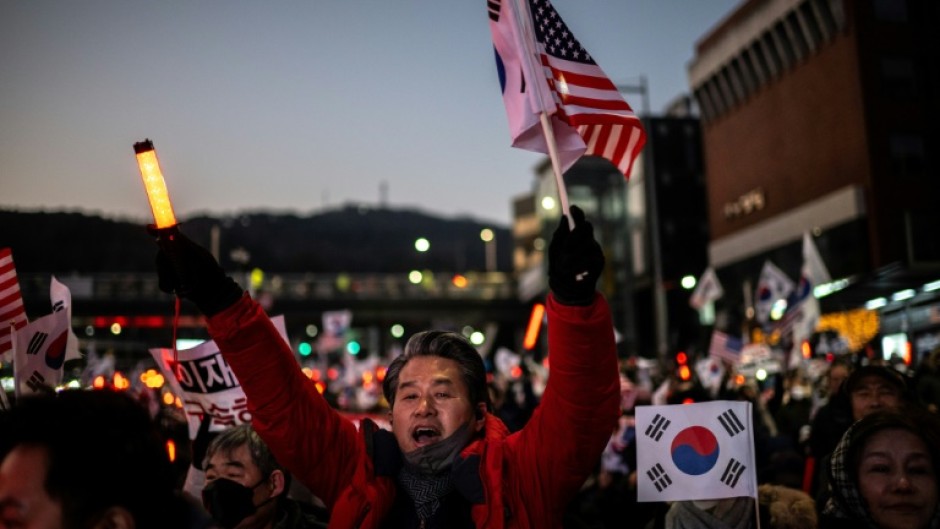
(685, 373)
(806, 349)
(535, 324)
(155, 185)
(168, 398)
(460, 281)
(120, 381)
(307, 372)
(908, 356)
(515, 372)
(380, 373)
(98, 383)
(321, 387)
(152, 379)
(739, 380)
(171, 449)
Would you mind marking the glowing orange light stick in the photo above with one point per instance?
(150, 172)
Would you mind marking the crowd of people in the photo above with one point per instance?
(856, 447)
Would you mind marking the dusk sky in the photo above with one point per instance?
(292, 105)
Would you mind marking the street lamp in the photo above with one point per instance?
(489, 240)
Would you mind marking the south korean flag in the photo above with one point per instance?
(701, 451)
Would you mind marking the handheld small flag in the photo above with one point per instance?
(12, 312)
(701, 451)
(61, 298)
(543, 69)
(725, 347)
(39, 354)
(772, 285)
(708, 290)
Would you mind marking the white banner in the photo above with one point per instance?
(701, 451)
(205, 383)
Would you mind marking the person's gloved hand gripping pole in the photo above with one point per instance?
(188, 270)
(575, 261)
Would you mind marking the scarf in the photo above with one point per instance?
(426, 472)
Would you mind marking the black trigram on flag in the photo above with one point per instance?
(36, 343)
(59, 305)
(732, 473)
(37, 382)
(657, 426)
(658, 476)
(731, 423)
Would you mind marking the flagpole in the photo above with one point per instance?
(556, 166)
(750, 423)
(523, 17)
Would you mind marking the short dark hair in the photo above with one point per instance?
(444, 344)
(244, 435)
(103, 450)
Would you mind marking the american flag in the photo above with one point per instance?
(12, 312)
(726, 347)
(587, 105)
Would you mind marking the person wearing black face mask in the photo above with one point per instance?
(247, 489)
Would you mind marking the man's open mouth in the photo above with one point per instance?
(425, 435)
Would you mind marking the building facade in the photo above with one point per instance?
(820, 116)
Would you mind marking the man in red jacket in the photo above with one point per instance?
(447, 462)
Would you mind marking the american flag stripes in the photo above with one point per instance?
(725, 347)
(12, 312)
(589, 116)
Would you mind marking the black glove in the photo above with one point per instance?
(190, 271)
(575, 261)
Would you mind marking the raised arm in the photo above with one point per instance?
(562, 442)
(318, 446)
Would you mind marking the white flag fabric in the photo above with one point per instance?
(772, 286)
(39, 354)
(700, 451)
(61, 298)
(813, 265)
(205, 383)
(708, 290)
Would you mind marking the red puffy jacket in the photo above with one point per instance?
(528, 478)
